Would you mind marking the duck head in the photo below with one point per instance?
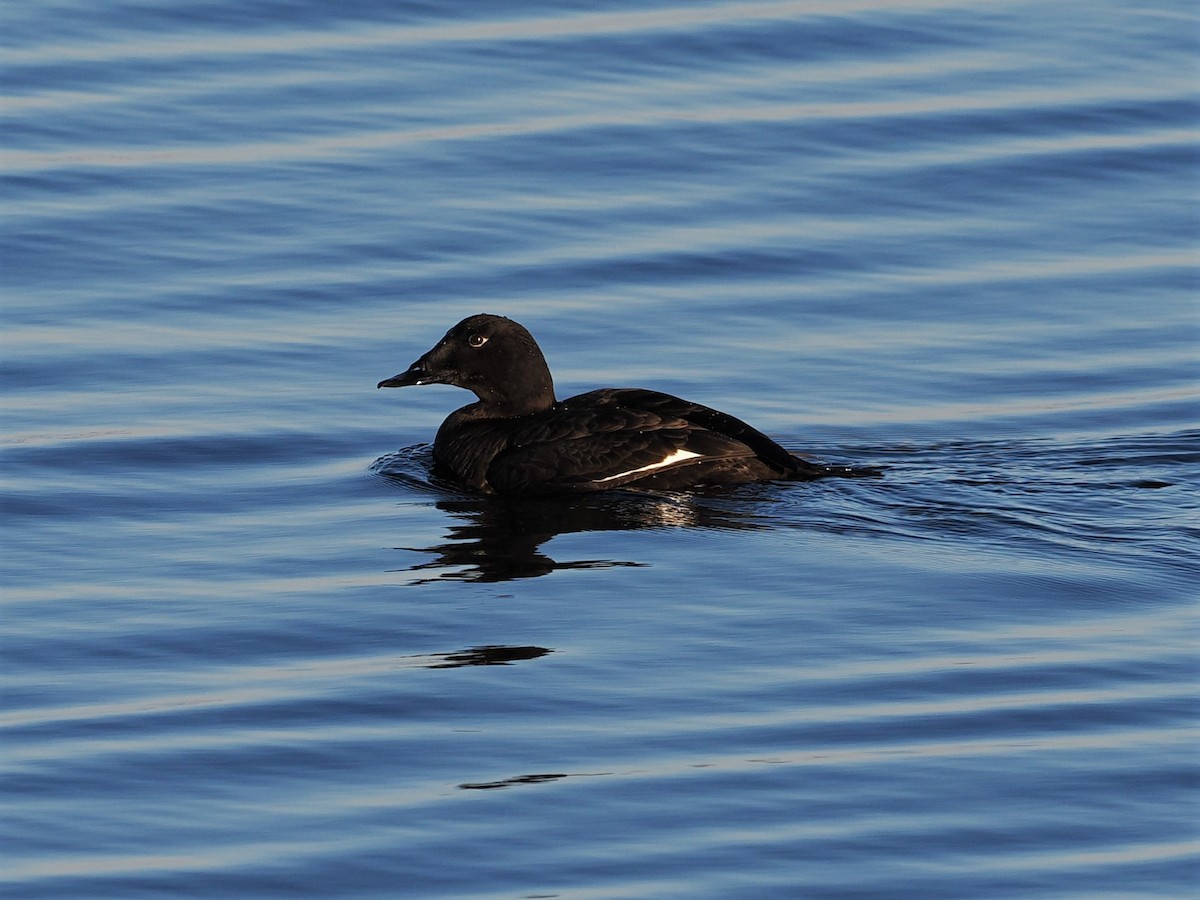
(493, 357)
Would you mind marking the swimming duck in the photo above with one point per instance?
(518, 440)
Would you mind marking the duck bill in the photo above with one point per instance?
(416, 374)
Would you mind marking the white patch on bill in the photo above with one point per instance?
(676, 457)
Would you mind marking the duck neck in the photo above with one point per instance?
(525, 397)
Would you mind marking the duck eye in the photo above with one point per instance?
(477, 340)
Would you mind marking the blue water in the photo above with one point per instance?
(251, 649)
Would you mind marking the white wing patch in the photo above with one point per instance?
(676, 457)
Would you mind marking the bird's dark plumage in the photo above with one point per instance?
(518, 440)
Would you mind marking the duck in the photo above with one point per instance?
(518, 440)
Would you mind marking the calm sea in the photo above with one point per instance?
(251, 650)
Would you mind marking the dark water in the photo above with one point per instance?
(251, 650)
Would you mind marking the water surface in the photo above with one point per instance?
(252, 649)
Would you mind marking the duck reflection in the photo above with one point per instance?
(496, 539)
(486, 655)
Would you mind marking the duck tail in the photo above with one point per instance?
(807, 470)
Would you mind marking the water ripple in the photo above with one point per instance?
(242, 659)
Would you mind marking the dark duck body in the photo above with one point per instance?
(518, 440)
